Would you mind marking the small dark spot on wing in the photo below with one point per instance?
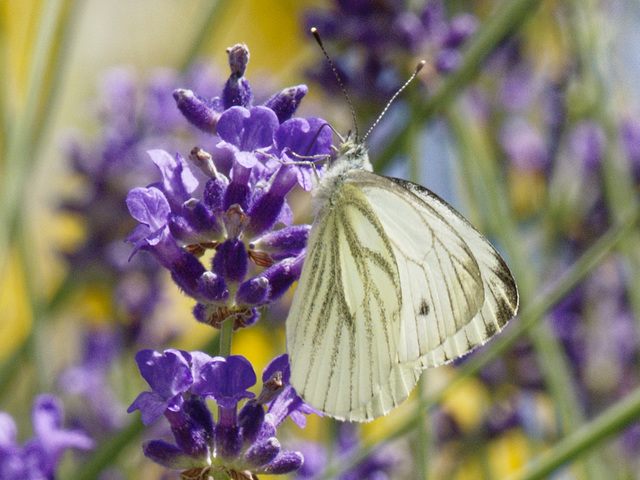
(424, 308)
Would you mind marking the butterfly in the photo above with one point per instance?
(394, 281)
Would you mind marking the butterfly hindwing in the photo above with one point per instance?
(344, 319)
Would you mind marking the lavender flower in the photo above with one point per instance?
(89, 379)
(247, 177)
(241, 443)
(39, 457)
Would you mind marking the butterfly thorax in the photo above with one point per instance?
(352, 155)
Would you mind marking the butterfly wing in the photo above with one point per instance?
(457, 291)
(394, 280)
(343, 322)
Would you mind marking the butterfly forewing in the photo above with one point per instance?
(457, 290)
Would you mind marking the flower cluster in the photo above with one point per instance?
(39, 457)
(241, 443)
(375, 38)
(263, 153)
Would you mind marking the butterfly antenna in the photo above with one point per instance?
(395, 95)
(316, 35)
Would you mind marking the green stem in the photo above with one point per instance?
(212, 19)
(5, 114)
(614, 419)
(528, 318)
(422, 446)
(556, 371)
(50, 51)
(226, 335)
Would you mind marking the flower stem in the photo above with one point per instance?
(226, 335)
(614, 419)
(50, 54)
(478, 157)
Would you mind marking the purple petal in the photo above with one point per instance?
(149, 206)
(8, 430)
(169, 375)
(246, 129)
(151, 407)
(177, 179)
(307, 137)
(227, 380)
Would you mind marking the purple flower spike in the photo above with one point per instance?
(197, 110)
(286, 102)
(226, 380)
(169, 376)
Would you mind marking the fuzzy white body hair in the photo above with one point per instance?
(352, 156)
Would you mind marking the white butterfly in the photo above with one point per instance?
(394, 281)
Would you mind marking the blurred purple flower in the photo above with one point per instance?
(375, 39)
(89, 379)
(381, 464)
(524, 145)
(39, 457)
(587, 143)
